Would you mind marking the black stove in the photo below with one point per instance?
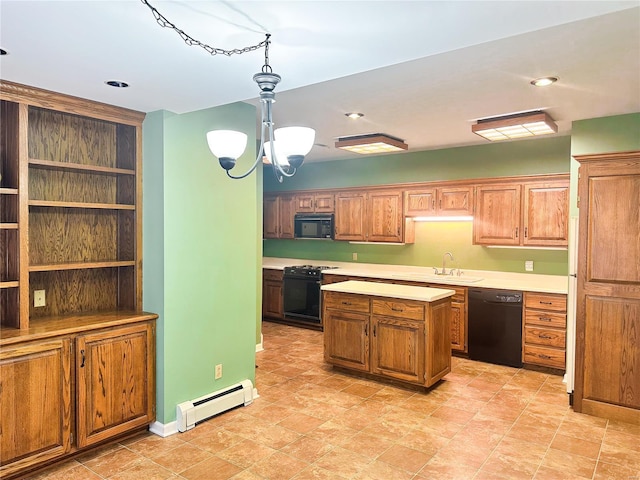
(306, 271)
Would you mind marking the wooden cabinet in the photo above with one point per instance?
(439, 201)
(68, 391)
(607, 381)
(315, 203)
(544, 329)
(272, 306)
(375, 216)
(459, 318)
(278, 213)
(71, 226)
(527, 214)
(115, 382)
(35, 403)
(403, 340)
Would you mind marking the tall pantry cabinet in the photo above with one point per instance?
(607, 380)
(77, 353)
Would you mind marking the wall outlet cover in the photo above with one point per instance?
(218, 374)
(528, 266)
(39, 298)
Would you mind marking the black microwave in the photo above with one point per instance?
(313, 226)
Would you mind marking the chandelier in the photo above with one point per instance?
(285, 148)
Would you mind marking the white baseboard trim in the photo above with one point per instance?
(164, 430)
(259, 346)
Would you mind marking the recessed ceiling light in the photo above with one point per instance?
(117, 84)
(544, 81)
(3, 51)
(354, 115)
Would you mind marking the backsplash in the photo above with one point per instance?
(432, 240)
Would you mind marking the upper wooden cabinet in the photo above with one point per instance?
(278, 214)
(375, 216)
(439, 201)
(527, 214)
(315, 203)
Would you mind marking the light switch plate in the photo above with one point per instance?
(528, 266)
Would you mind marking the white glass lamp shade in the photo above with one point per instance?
(295, 140)
(227, 143)
(280, 156)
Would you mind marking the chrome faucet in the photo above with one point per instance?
(444, 259)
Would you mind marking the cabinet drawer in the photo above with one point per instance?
(545, 301)
(394, 308)
(270, 274)
(545, 336)
(345, 301)
(548, 357)
(547, 319)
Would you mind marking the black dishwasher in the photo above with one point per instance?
(495, 326)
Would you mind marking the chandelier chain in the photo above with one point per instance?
(189, 40)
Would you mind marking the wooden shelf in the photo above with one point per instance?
(52, 267)
(9, 284)
(8, 191)
(80, 167)
(103, 206)
(8, 226)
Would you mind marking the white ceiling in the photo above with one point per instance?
(422, 71)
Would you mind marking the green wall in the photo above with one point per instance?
(201, 255)
(524, 157)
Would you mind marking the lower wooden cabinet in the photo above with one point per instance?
(545, 329)
(403, 340)
(67, 393)
(272, 300)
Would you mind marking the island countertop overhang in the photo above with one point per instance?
(389, 290)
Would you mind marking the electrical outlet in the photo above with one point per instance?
(528, 266)
(354, 256)
(38, 298)
(218, 371)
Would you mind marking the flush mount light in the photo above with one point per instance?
(371, 143)
(543, 81)
(354, 115)
(521, 125)
(117, 84)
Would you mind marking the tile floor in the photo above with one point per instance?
(482, 422)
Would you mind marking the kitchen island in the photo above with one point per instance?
(390, 331)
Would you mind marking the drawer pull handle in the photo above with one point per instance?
(396, 309)
(546, 357)
(366, 330)
(374, 330)
(545, 319)
(548, 337)
(546, 303)
(346, 303)
(82, 353)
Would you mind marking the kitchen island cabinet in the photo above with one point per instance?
(390, 331)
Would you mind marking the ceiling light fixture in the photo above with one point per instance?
(117, 83)
(3, 51)
(520, 125)
(285, 148)
(371, 143)
(543, 81)
(354, 116)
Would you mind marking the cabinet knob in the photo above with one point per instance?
(547, 337)
(546, 303)
(545, 319)
(396, 309)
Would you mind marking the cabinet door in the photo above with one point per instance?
(438, 327)
(324, 202)
(346, 339)
(385, 217)
(420, 202)
(35, 404)
(455, 201)
(272, 299)
(546, 214)
(304, 203)
(115, 382)
(270, 216)
(497, 215)
(397, 348)
(350, 217)
(286, 212)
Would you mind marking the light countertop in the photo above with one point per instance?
(406, 292)
(526, 282)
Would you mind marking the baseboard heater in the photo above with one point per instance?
(207, 406)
